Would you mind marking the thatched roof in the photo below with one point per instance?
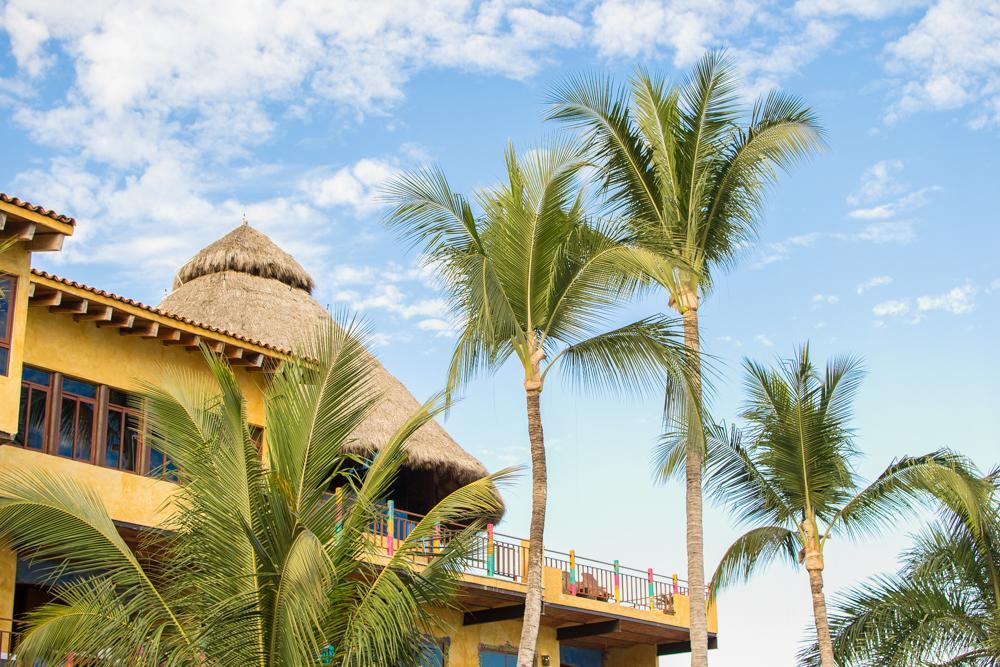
(272, 310)
(247, 251)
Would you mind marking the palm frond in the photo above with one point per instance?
(751, 552)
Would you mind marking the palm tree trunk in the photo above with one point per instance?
(693, 496)
(822, 622)
(539, 486)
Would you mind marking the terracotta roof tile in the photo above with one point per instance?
(58, 217)
(160, 312)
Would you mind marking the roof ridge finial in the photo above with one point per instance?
(245, 221)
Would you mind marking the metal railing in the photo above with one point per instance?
(505, 557)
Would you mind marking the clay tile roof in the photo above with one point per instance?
(58, 217)
(162, 313)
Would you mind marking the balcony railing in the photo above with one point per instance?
(505, 558)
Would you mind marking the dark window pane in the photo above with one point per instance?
(4, 360)
(155, 462)
(35, 376)
(130, 447)
(22, 412)
(6, 291)
(118, 397)
(67, 427)
(79, 388)
(84, 431)
(112, 452)
(36, 420)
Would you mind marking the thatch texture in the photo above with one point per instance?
(248, 251)
(274, 312)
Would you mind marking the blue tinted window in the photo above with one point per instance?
(79, 388)
(35, 376)
(4, 360)
(6, 304)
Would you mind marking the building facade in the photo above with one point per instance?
(70, 354)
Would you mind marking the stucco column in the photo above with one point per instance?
(8, 577)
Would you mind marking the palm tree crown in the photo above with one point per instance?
(255, 565)
(677, 162)
(943, 606)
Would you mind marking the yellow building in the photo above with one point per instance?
(70, 353)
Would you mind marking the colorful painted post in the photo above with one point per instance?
(652, 591)
(436, 542)
(676, 588)
(390, 541)
(490, 557)
(572, 572)
(618, 584)
(339, 495)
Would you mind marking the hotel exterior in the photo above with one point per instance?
(70, 354)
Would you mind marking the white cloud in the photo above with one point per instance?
(355, 186)
(891, 308)
(764, 340)
(828, 299)
(957, 301)
(872, 283)
(730, 339)
(878, 181)
(948, 60)
(390, 298)
(897, 231)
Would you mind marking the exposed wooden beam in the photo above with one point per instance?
(191, 341)
(182, 338)
(216, 346)
(675, 648)
(3, 220)
(145, 329)
(493, 615)
(46, 243)
(77, 308)
(168, 335)
(254, 360)
(31, 290)
(233, 354)
(27, 232)
(119, 321)
(587, 630)
(96, 314)
(50, 299)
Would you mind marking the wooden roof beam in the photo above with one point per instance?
(96, 314)
(588, 630)
(168, 335)
(46, 243)
(75, 308)
(119, 320)
(52, 298)
(145, 328)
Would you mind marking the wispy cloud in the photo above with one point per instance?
(891, 308)
(872, 283)
(764, 340)
(956, 301)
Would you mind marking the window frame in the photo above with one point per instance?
(7, 336)
(56, 419)
(107, 406)
(34, 387)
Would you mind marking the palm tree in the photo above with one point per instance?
(789, 474)
(531, 277)
(943, 606)
(255, 567)
(691, 181)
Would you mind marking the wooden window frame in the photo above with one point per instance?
(125, 410)
(7, 336)
(46, 420)
(56, 418)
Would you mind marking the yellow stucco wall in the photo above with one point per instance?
(8, 577)
(56, 342)
(465, 640)
(634, 656)
(17, 262)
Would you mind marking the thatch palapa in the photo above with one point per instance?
(245, 283)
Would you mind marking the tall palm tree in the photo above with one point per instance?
(943, 606)
(532, 277)
(255, 567)
(789, 474)
(691, 178)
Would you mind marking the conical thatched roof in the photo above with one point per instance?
(246, 284)
(247, 251)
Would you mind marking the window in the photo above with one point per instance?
(34, 406)
(8, 285)
(123, 434)
(77, 408)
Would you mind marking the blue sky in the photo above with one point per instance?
(159, 124)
